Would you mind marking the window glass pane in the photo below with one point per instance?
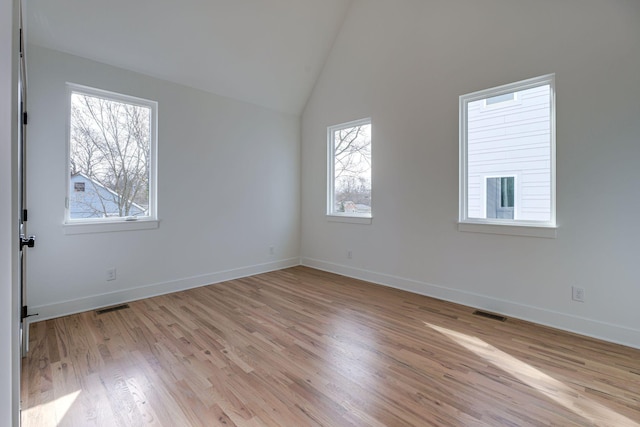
(500, 198)
(507, 192)
(500, 98)
(352, 170)
(110, 150)
(513, 142)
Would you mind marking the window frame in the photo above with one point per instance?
(506, 226)
(107, 224)
(347, 217)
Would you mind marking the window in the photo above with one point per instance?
(507, 155)
(500, 197)
(500, 99)
(349, 187)
(111, 155)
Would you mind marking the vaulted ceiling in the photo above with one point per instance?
(266, 52)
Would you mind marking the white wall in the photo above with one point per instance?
(404, 64)
(9, 316)
(229, 185)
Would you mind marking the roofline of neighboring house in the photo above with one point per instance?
(107, 189)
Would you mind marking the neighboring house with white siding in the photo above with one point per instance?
(509, 156)
(89, 199)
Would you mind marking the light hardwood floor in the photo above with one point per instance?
(300, 347)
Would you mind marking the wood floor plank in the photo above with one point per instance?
(302, 347)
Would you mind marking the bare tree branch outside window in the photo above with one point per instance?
(110, 145)
(352, 169)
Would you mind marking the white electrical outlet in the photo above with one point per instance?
(349, 254)
(111, 274)
(577, 294)
(272, 250)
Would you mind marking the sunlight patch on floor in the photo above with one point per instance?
(59, 406)
(541, 382)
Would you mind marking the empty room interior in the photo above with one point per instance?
(321, 213)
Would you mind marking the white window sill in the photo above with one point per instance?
(350, 219)
(549, 232)
(107, 227)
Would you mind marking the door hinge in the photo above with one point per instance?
(25, 215)
(25, 312)
(29, 242)
(24, 118)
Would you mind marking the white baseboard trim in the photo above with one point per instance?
(63, 308)
(592, 328)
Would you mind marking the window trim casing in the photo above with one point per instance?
(100, 225)
(347, 217)
(512, 227)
